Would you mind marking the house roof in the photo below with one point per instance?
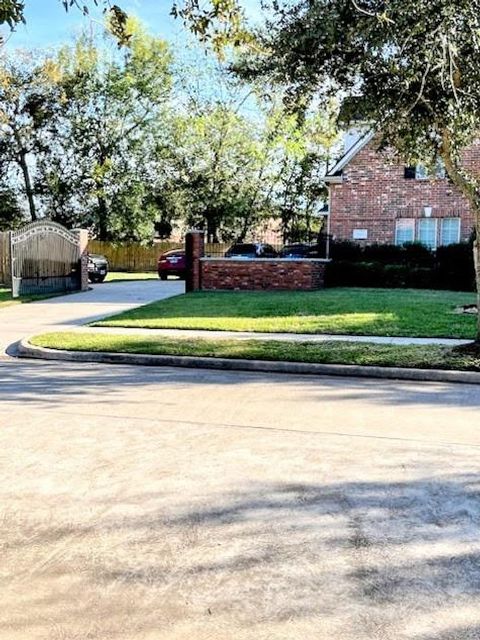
(334, 174)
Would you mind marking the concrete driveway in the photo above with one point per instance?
(61, 313)
(163, 504)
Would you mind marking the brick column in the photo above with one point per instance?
(83, 244)
(194, 250)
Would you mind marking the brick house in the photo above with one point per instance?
(374, 198)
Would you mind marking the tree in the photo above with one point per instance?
(409, 69)
(237, 160)
(29, 101)
(111, 108)
(11, 215)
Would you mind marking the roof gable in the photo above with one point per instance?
(333, 173)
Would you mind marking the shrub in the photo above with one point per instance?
(411, 265)
(454, 266)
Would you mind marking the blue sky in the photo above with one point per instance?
(48, 25)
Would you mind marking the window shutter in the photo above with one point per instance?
(410, 173)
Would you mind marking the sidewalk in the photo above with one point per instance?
(246, 335)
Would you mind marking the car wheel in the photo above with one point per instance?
(162, 276)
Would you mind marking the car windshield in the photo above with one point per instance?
(295, 249)
(243, 248)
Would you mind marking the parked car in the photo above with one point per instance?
(172, 263)
(300, 250)
(97, 267)
(251, 250)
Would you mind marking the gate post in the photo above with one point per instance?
(83, 246)
(194, 250)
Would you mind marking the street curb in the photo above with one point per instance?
(27, 350)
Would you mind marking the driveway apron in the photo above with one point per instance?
(66, 312)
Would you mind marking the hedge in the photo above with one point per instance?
(408, 266)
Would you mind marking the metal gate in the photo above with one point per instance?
(45, 259)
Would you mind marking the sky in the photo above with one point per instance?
(48, 25)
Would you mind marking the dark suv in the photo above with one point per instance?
(251, 250)
(97, 267)
(300, 250)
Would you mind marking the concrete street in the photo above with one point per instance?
(143, 503)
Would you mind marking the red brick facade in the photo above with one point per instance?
(262, 274)
(374, 193)
(194, 250)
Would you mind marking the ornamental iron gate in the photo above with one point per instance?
(46, 258)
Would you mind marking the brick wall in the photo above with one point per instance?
(194, 251)
(262, 274)
(374, 193)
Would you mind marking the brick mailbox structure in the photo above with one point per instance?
(261, 274)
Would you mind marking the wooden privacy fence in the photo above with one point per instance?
(134, 256)
(5, 276)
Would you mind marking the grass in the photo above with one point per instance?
(124, 276)
(367, 354)
(6, 299)
(383, 312)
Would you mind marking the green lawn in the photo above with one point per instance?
(383, 312)
(422, 357)
(122, 276)
(6, 297)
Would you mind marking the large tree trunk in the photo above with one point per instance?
(28, 185)
(102, 218)
(476, 258)
(470, 190)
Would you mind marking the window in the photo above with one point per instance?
(404, 230)
(450, 231)
(422, 172)
(440, 171)
(360, 234)
(427, 232)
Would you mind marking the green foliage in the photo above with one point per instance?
(11, 215)
(11, 12)
(411, 67)
(408, 266)
(112, 103)
(239, 161)
(29, 103)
